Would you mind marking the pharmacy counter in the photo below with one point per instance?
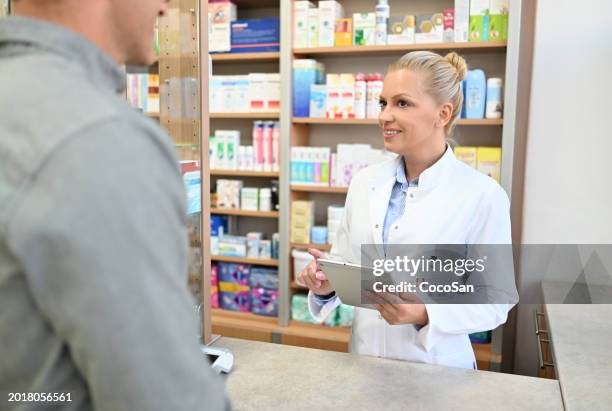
(272, 376)
(581, 335)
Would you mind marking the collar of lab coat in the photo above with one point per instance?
(381, 184)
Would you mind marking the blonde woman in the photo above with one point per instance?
(424, 196)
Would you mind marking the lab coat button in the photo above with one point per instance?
(376, 225)
(411, 195)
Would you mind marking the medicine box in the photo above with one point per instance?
(255, 35)
(313, 27)
(429, 28)
(466, 155)
(364, 29)
(498, 29)
(300, 23)
(462, 20)
(318, 100)
(221, 15)
(401, 30)
(329, 12)
(344, 32)
(489, 162)
(479, 20)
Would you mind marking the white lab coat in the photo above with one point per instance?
(453, 204)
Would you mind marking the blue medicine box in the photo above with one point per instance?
(255, 35)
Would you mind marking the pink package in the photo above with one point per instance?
(264, 301)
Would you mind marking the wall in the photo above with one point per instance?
(567, 187)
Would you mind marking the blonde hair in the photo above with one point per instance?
(444, 76)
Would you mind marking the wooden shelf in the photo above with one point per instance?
(152, 115)
(320, 332)
(244, 260)
(397, 49)
(322, 247)
(319, 189)
(257, 116)
(244, 173)
(246, 57)
(373, 121)
(256, 4)
(244, 213)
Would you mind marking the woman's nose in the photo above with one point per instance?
(385, 116)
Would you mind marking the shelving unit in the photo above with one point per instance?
(244, 213)
(246, 57)
(244, 260)
(374, 122)
(399, 49)
(499, 59)
(248, 115)
(243, 173)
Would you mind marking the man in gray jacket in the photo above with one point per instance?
(93, 245)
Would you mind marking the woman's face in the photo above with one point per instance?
(409, 118)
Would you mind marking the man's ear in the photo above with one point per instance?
(444, 115)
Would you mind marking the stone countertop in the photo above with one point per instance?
(581, 337)
(271, 376)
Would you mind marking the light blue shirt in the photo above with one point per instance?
(395, 209)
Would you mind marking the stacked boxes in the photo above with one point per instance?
(228, 193)
(264, 291)
(487, 160)
(364, 29)
(221, 15)
(300, 22)
(310, 166)
(479, 20)
(255, 35)
(302, 220)
(329, 12)
(234, 287)
(255, 92)
(305, 73)
(214, 286)
(143, 92)
(334, 218)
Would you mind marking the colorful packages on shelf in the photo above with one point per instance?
(221, 15)
(232, 246)
(300, 311)
(256, 35)
(479, 20)
(462, 20)
(401, 30)
(224, 149)
(234, 287)
(228, 193)
(264, 291)
(266, 146)
(193, 184)
(214, 285)
(302, 220)
(249, 198)
(498, 27)
(487, 160)
(334, 217)
(429, 28)
(264, 92)
(343, 35)
(313, 27)
(305, 73)
(329, 12)
(310, 166)
(300, 23)
(364, 29)
(449, 25)
(143, 92)
(255, 92)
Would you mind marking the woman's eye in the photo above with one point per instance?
(403, 104)
(382, 103)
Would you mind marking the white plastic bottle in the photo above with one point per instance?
(383, 11)
(494, 98)
(375, 85)
(360, 95)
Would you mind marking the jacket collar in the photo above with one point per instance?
(102, 71)
(428, 179)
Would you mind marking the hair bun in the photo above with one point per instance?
(458, 62)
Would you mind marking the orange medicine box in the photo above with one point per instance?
(344, 32)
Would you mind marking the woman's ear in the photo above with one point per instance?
(445, 114)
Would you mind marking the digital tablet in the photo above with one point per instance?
(346, 280)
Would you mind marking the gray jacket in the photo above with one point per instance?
(93, 244)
